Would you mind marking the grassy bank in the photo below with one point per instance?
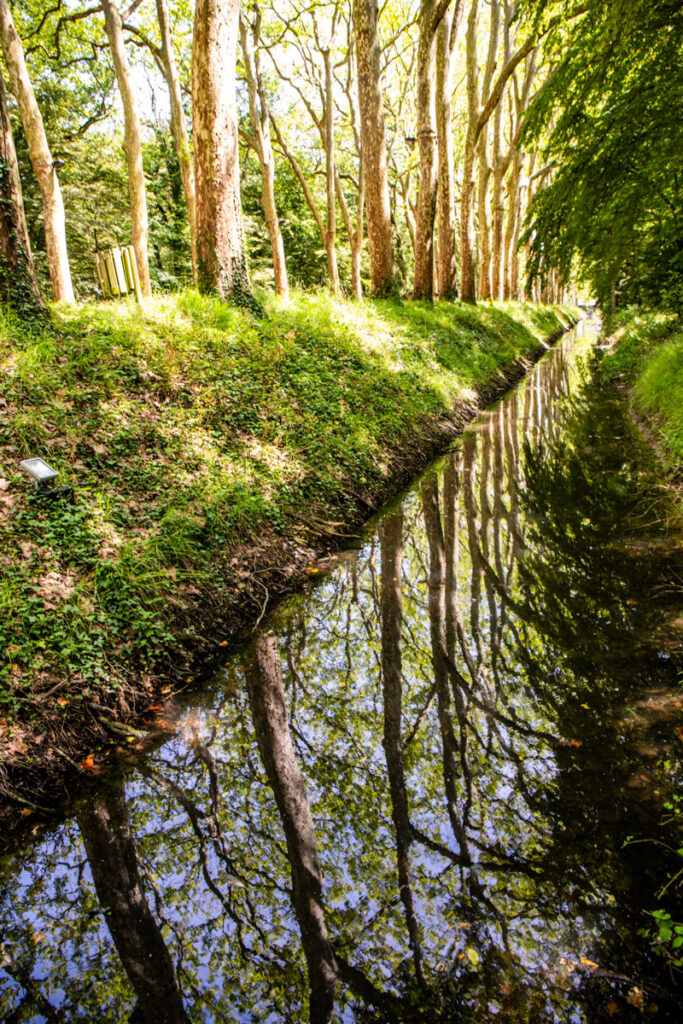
(648, 357)
(211, 455)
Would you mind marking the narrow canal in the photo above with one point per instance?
(441, 785)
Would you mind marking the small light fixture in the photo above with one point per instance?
(44, 475)
(41, 472)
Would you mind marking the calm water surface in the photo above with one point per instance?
(441, 785)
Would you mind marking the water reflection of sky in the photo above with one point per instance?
(515, 897)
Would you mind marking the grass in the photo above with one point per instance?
(648, 356)
(191, 432)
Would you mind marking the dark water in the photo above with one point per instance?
(441, 785)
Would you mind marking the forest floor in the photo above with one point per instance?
(214, 456)
(646, 357)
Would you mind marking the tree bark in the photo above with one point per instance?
(260, 127)
(132, 142)
(423, 285)
(221, 259)
(374, 148)
(269, 713)
(18, 283)
(484, 274)
(180, 137)
(330, 177)
(105, 828)
(467, 282)
(41, 158)
(447, 38)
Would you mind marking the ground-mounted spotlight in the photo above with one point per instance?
(44, 476)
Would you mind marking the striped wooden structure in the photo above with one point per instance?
(117, 272)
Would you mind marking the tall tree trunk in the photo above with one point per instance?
(484, 270)
(260, 127)
(447, 37)
(330, 177)
(18, 283)
(105, 827)
(374, 147)
(423, 285)
(41, 158)
(467, 279)
(512, 227)
(269, 713)
(221, 260)
(132, 142)
(180, 137)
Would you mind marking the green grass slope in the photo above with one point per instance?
(648, 356)
(193, 433)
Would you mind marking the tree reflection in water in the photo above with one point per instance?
(409, 796)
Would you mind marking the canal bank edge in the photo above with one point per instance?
(419, 360)
(643, 352)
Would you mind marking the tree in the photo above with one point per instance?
(180, 137)
(431, 14)
(41, 157)
(374, 147)
(259, 115)
(18, 283)
(221, 259)
(447, 40)
(132, 143)
(610, 114)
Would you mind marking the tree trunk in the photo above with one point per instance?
(180, 137)
(467, 279)
(269, 713)
(18, 283)
(330, 176)
(484, 274)
(512, 227)
(132, 142)
(423, 286)
(374, 149)
(447, 37)
(221, 260)
(41, 158)
(105, 828)
(260, 126)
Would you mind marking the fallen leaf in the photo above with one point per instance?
(635, 997)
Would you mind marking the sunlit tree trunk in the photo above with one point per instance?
(259, 113)
(132, 141)
(40, 156)
(467, 280)
(180, 137)
(221, 259)
(330, 176)
(374, 148)
(483, 205)
(18, 283)
(446, 42)
(423, 284)
(105, 827)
